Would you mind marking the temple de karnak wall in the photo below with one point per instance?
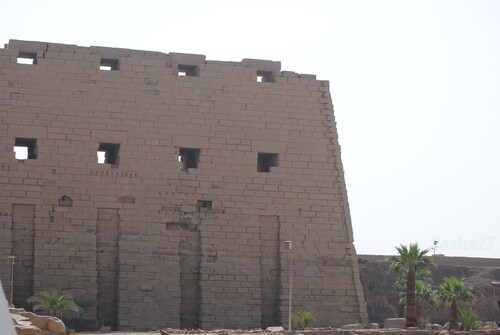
(205, 168)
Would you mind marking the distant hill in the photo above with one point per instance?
(381, 295)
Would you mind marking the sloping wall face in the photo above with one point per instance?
(163, 186)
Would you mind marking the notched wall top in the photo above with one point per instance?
(176, 61)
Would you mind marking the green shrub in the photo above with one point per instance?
(468, 319)
(84, 304)
(422, 322)
(53, 303)
(302, 319)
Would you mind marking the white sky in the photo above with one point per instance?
(415, 84)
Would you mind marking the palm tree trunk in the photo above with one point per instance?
(418, 309)
(453, 314)
(411, 320)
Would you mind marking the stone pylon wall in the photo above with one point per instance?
(210, 166)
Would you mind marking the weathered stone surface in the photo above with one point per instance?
(56, 326)
(28, 323)
(373, 325)
(17, 319)
(22, 324)
(39, 321)
(395, 323)
(275, 329)
(13, 310)
(352, 326)
(447, 326)
(206, 167)
(105, 329)
(491, 324)
(27, 330)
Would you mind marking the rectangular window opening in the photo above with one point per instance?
(108, 64)
(27, 58)
(108, 153)
(187, 70)
(189, 158)
(265, 161)
(25, 148)
(265, 77)
(204, 205)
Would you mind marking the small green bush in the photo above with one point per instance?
(302, 319)
(468, 319)
(423, 321)
(85, 304)
(53, 303)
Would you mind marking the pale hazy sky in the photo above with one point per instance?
(415, 85)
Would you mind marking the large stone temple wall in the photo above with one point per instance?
(205, 168)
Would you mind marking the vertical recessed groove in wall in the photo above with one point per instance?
(23, 237)
(107, 267)
(189, 259)
(269, 270)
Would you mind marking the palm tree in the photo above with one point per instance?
(424, 295)
(410, 261)
(453, 292)
(54, 303)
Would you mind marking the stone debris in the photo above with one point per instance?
(352, 326)
(491, 324)
(436, 330)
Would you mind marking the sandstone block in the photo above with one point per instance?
(56, 326)
(352, 326)
(18, 319)
(105, 329)
(13, 310)
(395, 323)
(27, 330)
(491, 324)
(39, 321)
(275, 329)
(447, 326)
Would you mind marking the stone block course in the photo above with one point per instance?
(174, 263)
